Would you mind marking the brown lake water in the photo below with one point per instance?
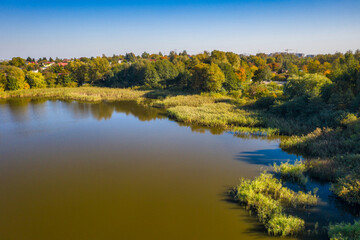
(76, 171)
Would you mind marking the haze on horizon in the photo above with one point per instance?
(89, 28)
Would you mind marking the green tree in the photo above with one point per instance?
(262, 73)
(130, 57)
(232, 81)
(51, 79)
(79, 71)
(36, 80)
(17, 62)
(207, 77)
(151, 77)
(3, 81)
(98, 68)
(234, 59)
(218, 57)
(216, 78)
(145, 55)
(15, 78)
(307, 85)
(166, 70)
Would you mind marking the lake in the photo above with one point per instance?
(71, 170)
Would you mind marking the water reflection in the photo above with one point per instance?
(265, 157)
(23, 109)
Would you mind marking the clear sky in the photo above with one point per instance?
(90, 28)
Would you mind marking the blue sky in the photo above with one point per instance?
(91, 28)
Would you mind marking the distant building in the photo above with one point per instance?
(310, 55)
(62, 64)
(301, 55)
(47, 64)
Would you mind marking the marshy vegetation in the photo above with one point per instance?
(267, 196)
(89, 94)
(292, 172)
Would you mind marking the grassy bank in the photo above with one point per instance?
(90, 94)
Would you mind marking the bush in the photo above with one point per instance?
(265, 102)
(344, 231)
(348, 189)
(307, 85)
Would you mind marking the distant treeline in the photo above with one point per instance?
(206, 72)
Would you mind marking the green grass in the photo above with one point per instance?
(292, 172)
(183, 100)
(214, 115)
(90, 94)
(269, 199)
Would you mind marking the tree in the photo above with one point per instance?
(17, 62)
(151, 77)
(262, 73)
(218, 57)
(207, 77)
(130, 57)
(79, 71)
(166, 70)
(145, 55)
(3, 81)
(293, 69)
(184, 53)
(51, 79)
(308, 85)
(36, 80)
(15, 78)
(98, 68)
(216, 78)
(234, 59)
(232, 81)
(314, 66)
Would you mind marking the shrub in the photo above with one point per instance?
(344, 231)
(307, 85)
(348, 188)
(265, 102)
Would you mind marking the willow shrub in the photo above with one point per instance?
(268, 197)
